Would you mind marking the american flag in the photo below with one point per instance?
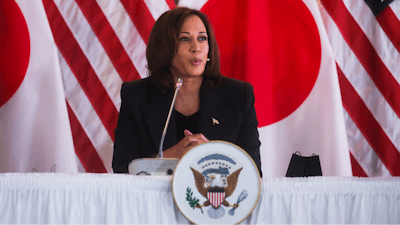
(365, 38)
(101, 44)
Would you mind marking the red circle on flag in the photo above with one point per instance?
(274, 45)
(14, 49)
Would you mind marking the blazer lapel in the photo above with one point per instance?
(213, 113)
(213, 116)
(155, 115)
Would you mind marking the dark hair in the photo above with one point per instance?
(162, 47)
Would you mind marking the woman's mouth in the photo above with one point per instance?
(196, 61)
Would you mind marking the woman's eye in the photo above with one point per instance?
(203, 38)
(184, 39)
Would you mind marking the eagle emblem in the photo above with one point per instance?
(216, 176)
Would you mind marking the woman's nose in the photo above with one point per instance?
(195, 46)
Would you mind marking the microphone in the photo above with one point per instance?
(157, 166)
(178, 85)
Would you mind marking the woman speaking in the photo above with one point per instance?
(208, 106)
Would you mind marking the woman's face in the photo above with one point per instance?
(191, 57)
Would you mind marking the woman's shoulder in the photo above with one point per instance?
(234, 89)
(138, 86)
(235, 84)
(139, 90)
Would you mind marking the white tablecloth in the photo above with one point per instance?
(50, 198)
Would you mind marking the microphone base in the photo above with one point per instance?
(153, 166)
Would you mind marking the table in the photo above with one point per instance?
(51, 198)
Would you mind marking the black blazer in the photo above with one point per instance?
(144, 110)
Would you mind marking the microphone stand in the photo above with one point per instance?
(158, 166)
(178, 85)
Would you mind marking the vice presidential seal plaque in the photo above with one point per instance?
(216, 183)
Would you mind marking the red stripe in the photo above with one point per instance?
(84, 149)
(81, 68)
(109, 40)
(140, 16)
(171, 4)
(365, 53)
(368, 126)
(391, 25)
(357, 170)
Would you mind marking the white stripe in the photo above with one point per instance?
(371, 28)
(86, 115)
(363, 84)
(395, 6)
(92, 49)
(127, 34)
(362, 151)
(193, 4)
(156, 8)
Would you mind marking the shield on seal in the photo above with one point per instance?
(216, 196)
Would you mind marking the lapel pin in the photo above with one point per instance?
(215, 121)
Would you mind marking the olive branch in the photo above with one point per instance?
(192, 201)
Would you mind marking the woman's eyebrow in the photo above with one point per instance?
(202, 32)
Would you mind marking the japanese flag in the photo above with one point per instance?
(35, 133)
(282, 49)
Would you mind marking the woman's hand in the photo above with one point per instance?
(189, 141)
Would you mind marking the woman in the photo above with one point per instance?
(208, 106)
